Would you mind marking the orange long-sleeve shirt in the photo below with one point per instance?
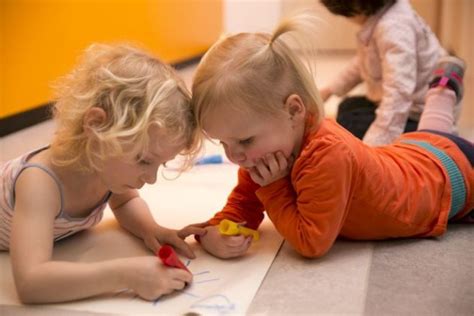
(340, 186)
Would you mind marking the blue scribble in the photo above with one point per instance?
(203, 281)
(216, 302)
(202, 272)
(190, 294)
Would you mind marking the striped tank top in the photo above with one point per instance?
(64, 225)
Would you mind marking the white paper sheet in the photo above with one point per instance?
(219, 286)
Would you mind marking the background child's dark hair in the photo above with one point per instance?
(350, 8)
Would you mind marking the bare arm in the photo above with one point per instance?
(134, 215)
(39, 279)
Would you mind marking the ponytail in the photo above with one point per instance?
(258, 71)
(294, 40)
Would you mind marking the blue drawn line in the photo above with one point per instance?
(202, 272)
(212, 302)
(190, 294)
(202, 281)
(156, 301)
(188, 262)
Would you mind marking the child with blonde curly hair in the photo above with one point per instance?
(314, 179)
(120, 115)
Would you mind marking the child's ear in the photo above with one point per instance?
(92, 118)
(295, 106)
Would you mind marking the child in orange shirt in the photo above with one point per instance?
(120, 115)
(314, 179)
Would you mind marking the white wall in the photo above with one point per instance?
(263, 15)
(251, 15)
(335, 33)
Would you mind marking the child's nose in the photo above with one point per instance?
(150, 176)
(235, 155)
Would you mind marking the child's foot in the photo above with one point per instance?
(449, 73)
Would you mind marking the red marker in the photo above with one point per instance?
(169, 258)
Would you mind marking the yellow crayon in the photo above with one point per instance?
(228, 227)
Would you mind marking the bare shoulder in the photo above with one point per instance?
(36, 189)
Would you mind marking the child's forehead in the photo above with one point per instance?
(159, 145)
(236, 124)
(226, 118)
(159, 151)
(161, 142)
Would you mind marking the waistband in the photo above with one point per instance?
(464, 145)
(458, 188)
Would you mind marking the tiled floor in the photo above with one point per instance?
(402, 277)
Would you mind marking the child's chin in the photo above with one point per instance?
(121, 189)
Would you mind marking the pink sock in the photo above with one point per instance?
(439, 110)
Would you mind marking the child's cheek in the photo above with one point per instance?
(254, 156)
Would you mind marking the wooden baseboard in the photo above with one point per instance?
(25, 119)
(187, 62)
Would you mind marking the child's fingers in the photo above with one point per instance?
(241, 249)
(248, 243)
(182, 276)
(177, 285)
(201, 224)
(235, 241)
(262, 169)
(153, 244)
(184, 248)
(256, 177)
(281, 160)
(191, 230)
(272, 163)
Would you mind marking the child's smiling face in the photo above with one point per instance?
(247, 137)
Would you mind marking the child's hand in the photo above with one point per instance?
(224, 247)
(193, 229)
(150, 279)
(270, 168)
(175, 238)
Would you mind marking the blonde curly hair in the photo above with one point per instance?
(135, 89)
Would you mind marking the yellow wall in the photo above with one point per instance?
(40, 40)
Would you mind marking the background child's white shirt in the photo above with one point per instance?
(396, 55)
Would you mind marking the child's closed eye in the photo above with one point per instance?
(246, 141)
(143, 161)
